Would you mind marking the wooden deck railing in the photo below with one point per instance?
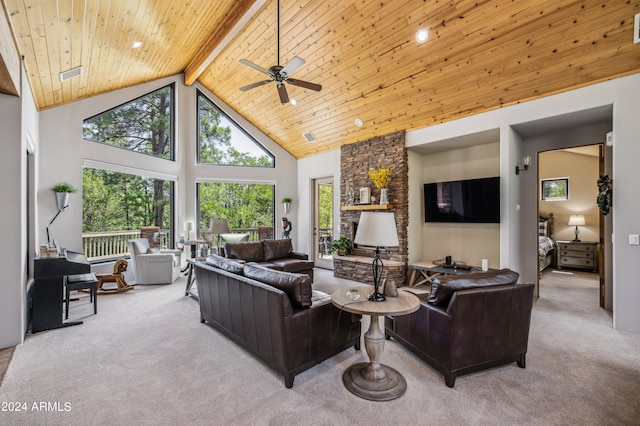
(111, 245)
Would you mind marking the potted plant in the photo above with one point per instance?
(62, 191)
(286, 203)
(341, 246)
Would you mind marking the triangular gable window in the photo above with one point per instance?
(222, 141)
(143, 125)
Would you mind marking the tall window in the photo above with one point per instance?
(245, 206)
(222, 141)
(142, 125)
(116, 206)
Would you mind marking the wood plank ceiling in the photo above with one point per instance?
(481, 55)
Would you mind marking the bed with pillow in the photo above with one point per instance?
(546, 244)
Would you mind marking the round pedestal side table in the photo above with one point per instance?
(372, 380)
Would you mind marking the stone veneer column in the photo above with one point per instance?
(355, 162)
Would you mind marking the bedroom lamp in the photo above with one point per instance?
(576, 220)
(377, 230)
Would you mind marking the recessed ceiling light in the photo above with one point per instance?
(136, 44)
(422, 35)
(359, 122)
(293, 102)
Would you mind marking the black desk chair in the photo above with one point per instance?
(81, 282)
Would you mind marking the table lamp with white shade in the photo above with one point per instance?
(377, 229)
(219, 226)
(576, 220)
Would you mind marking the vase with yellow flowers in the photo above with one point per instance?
(381, 178)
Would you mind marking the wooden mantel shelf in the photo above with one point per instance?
(368, 207)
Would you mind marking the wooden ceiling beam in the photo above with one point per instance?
(233, 24)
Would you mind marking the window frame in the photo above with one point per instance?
(549, 181)
(200, 93)
(172, 123)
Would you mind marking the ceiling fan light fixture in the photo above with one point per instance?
(422, 35)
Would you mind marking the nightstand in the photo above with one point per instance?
(582, 255)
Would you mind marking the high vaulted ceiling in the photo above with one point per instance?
(481, 55)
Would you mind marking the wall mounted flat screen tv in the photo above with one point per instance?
(471, 201)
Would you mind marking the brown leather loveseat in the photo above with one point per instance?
(276, 315)
(468, 323)
(273, 254)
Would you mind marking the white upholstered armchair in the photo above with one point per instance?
(151, 267)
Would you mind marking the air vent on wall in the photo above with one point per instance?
(309, 137)
(69, 74)
(636, 29)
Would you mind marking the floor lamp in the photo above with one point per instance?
(377, 229)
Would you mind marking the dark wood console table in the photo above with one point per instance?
(420, 272)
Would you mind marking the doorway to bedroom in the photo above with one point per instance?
(571, 227)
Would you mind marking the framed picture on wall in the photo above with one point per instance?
(364, 196)
(556, 189)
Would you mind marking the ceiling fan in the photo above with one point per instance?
(280, 74)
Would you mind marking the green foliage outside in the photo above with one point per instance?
(142, 125)
(242, 205)
(215, 141)
(325, 208)
(113, 201)
(555, 189)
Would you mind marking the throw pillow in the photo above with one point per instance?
(296, 286)
(225, 264)
(443, 286)
(153, 250)
(250, 252)
(276, 249)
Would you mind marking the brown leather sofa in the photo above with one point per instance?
(468, 323)
(273, 254)
(276, 315)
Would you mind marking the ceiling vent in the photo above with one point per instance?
(636, 29)
(309, 137)
(69, 74)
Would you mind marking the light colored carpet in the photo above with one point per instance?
(145, 359)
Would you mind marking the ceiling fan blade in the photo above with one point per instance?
(253, 85)
(288, 69)
(305, 84)
(282, 91)
(255, 67)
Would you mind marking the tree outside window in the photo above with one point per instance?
(554, 189)
(222, 141)
(114, 201)
(243, 205)
(143, 125)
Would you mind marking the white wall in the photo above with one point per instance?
(19, 123)
(518, 228)
(464, 242)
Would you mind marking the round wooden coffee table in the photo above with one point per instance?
(372, 380)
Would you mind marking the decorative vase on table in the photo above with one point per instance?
(384, 195)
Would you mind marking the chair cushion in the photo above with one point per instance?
(276, 249)
(234, 238)
(443, 286)
(296, 286)
(251, 252)
(228, 265)
(293, 265)
(152, 250)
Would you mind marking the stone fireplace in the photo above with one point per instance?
(355, 162)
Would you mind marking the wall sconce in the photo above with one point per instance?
(526, 162)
